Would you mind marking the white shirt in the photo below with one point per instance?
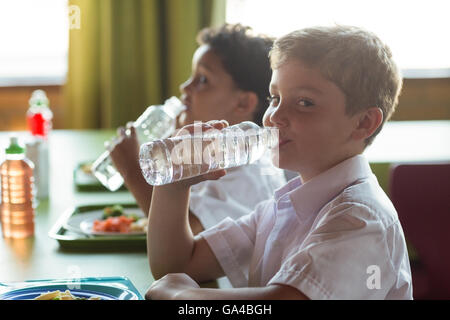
(237, 193)
(335, 237)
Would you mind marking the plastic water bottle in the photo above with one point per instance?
(39, 115)
(17, 211)
(157, 122)
(39, 118)
(189, 155)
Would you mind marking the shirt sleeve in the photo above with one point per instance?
(233, 242)
(344, 257)
(234, 195)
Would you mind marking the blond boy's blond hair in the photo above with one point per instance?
(356, 60)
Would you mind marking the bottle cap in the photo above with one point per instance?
(39, 98)
(14, 146)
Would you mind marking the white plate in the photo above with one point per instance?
(74, 222)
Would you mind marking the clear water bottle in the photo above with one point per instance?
(17, 207)
(157, 122)
(189, 155)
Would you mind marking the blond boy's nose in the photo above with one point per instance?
(278, 117)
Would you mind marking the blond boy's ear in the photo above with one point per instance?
(368, 122)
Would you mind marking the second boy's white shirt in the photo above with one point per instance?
(237, 193)
(324, 237)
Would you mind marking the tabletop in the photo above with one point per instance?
(408, 141)
(41, 257)
(411, 141)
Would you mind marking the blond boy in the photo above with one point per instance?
(331, 233)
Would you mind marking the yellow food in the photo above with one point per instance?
(87, 168)
(58, 295)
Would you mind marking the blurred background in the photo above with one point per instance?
(102, 62)
(94, 57)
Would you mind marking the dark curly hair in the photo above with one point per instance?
(245, 56)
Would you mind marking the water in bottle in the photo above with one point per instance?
(17, 211)
(187, 155)
(157, 122)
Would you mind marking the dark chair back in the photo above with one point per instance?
(421, 195)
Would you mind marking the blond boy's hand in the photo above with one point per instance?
(170, 286)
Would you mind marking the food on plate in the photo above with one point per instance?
(113, 211)
(113, 224)
(114, 219)
(58, 295)
(86, 168)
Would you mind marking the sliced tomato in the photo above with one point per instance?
(113, 224)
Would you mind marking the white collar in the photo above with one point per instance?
(308, 198)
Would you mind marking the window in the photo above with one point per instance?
(34, 42)
(415, 30)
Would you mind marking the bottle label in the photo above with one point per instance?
(38, 125)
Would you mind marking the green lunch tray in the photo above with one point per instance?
(71, 238)
(105, 288)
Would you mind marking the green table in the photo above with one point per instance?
(408, 141)
(41, 257)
